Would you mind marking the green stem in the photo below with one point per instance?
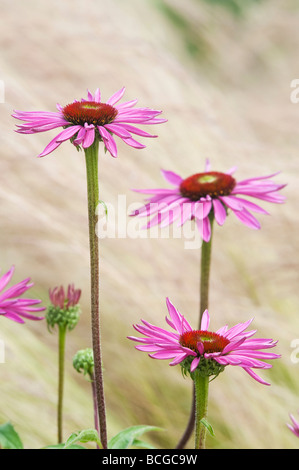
(91, 158)
(206, 251)
(205, 265)
(201, 385)
(61, 354)
(95, 403)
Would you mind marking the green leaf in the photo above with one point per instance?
(142, 444)
(128, 437)
(86, 435)
(62, 446)
(105, 207)
(9, 438)
(208, 426)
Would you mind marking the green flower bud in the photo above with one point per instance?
(65, 310)
(63, 317)
(83, 361)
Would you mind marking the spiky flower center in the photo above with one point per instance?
(212, 183)
(89, 112)
(212, 342)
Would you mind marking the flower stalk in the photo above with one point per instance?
(95, 403)
(205, 267)
(61, 362)
(91, 158)
(201, 385)
(83, 362)
(206, 251)
(63, 312)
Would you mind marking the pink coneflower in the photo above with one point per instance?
(11, 305)
(64, 310)
(209, 193)
(62, 299)
(295, 427)
(89, 119)
(204, 350)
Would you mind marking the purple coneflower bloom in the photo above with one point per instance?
(11, 305)
(295, 427)
(62, 299)
(89, 119)
(203, 348)
(203, 194)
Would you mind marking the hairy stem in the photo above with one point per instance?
(95, 404)
(91, 158)
(206, 251)
(201, 385)
(61, 354)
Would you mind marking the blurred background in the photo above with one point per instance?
(221, 71)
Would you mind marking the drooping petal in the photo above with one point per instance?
(109, 141)
(232, 346)
(255, 376)
(219, 212)
(133, 143)
(204, 227)
(117, 117)
(89, 137)
(248, 219)
(194, 364)
(54, 144)
(12, 305)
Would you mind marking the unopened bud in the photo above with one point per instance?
(83, 361)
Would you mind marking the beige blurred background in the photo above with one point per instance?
(221, 72)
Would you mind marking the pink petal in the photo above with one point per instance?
(255, 376)
(194, 364)
(108, 141)
(248, 219)
(232, 203)
(51, 146)
(208, 165)
(133, 143)
(204, 228)
(175, 315)
(89, 137)
(205, 321)
(178, 359)
(116, 97)
(250, 205)
(97, 96)
(67, 133)
(219, 212)
(119, 130)
(172, 178)
(136, 131)
(5, 279)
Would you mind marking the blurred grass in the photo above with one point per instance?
(191, 32)
(228, 100)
